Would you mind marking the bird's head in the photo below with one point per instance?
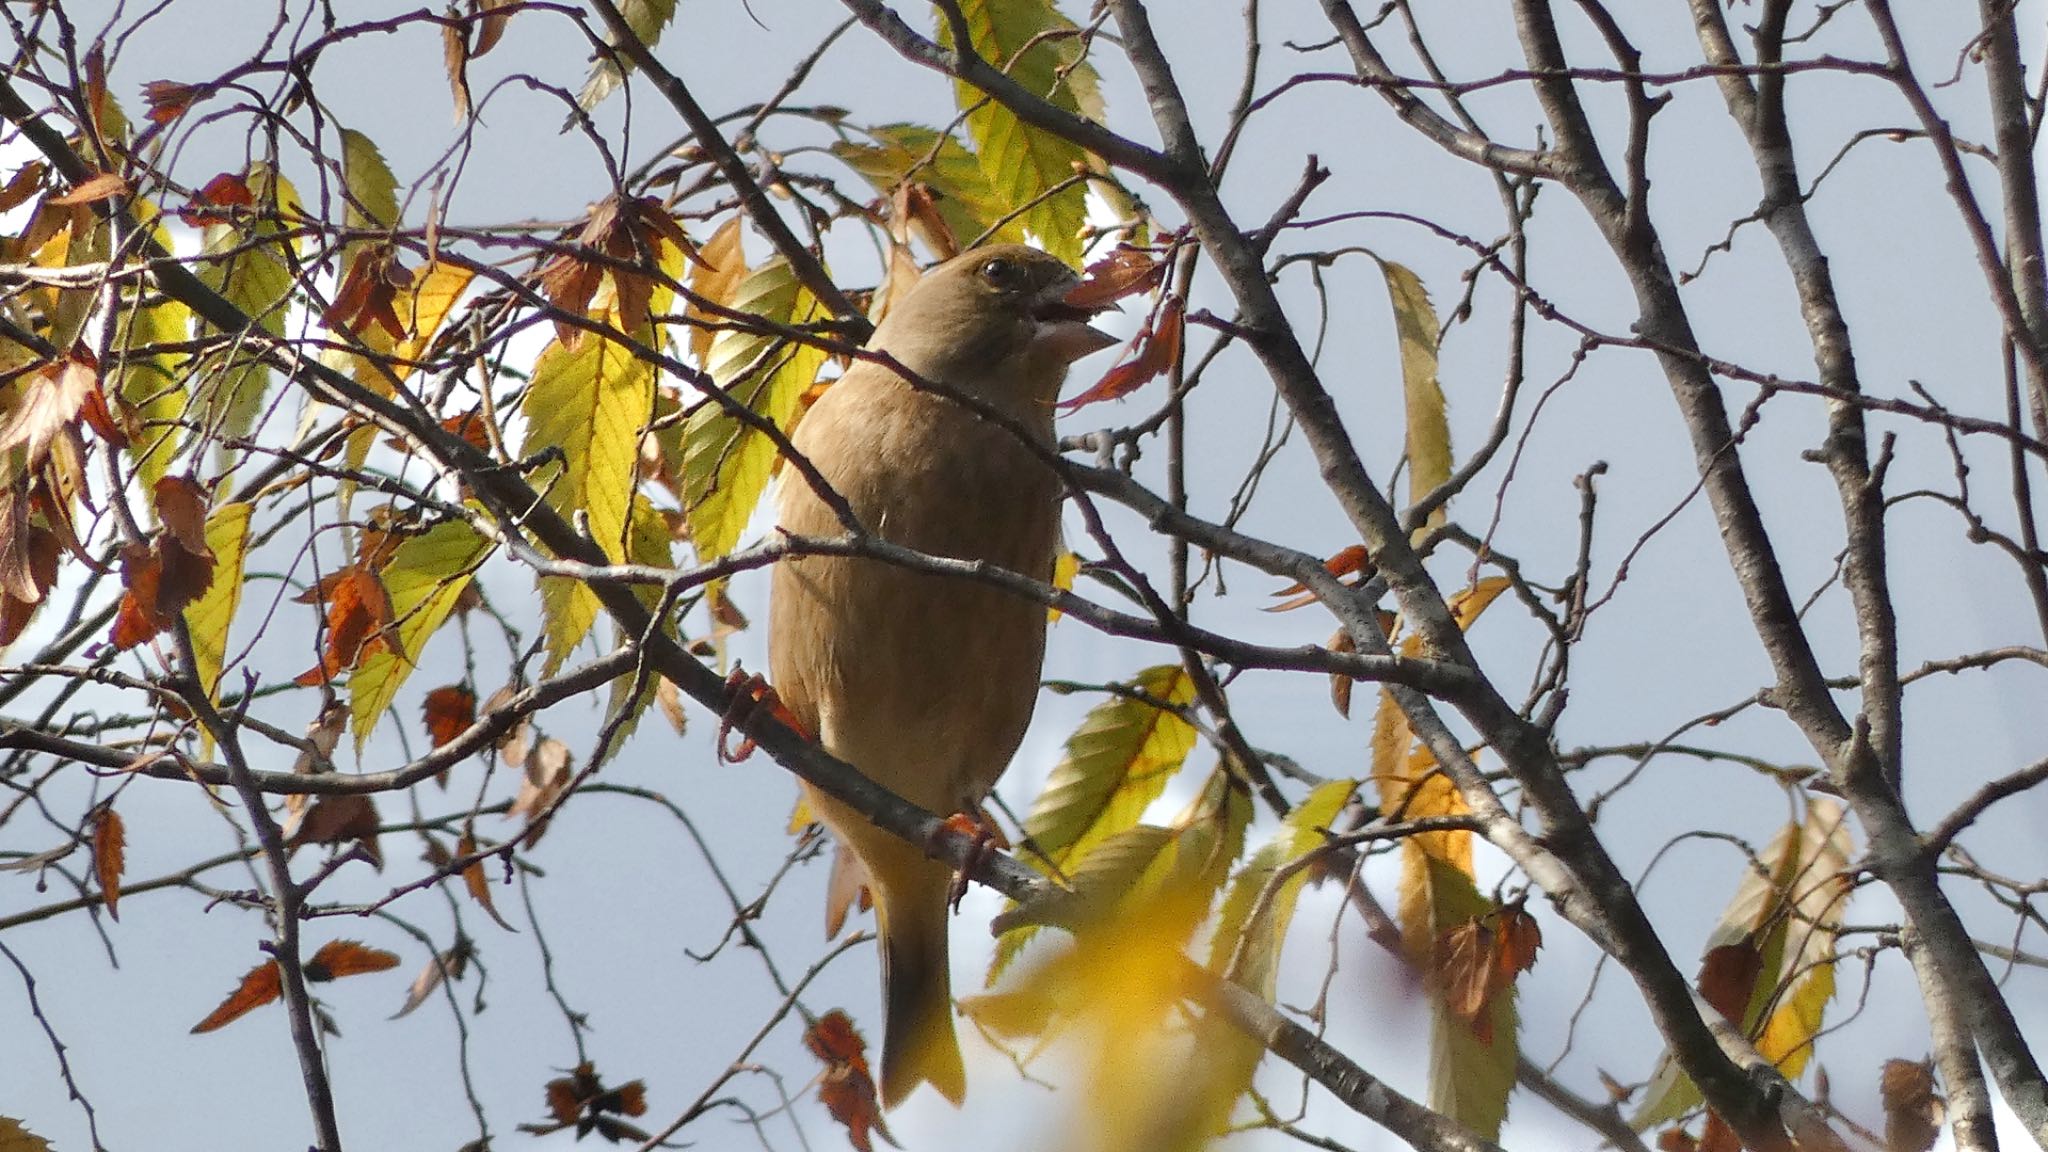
(995, 322)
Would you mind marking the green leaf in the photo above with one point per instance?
(899, 152)
(1469, 1079)
(1251, 929)
(1023, 163)
(1429, 429)
(209, 617)
(725, 463)
(1252, 926)
(647, 19)
(425, 577)
(647, 542)
(152, 385)
(251, 266)
(370, 183)
(1116, 763)
(587, 401)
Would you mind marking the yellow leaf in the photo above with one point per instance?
(425, 577)
(1253, 923)
(1788, 908)
(1064, 569)
(588, 402)
(1022, 163)
(15, 1138)
(646, 18)
(1117, 762)
(1429, 429)
(725, 463)
(208, 618)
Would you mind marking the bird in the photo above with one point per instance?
(925, 682)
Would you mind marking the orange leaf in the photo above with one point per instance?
(99, 186)
(338, 958)
(1346, 562)
(109, 848)
(1464, 969)
(138, 618)
(449, 711)
(259, 986)
(1158, 342)
(181, 508)
(476, 882)
(845, 1088)
(358, 616)
(1516, 938)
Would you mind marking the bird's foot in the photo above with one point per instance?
(987, 838)
(749, 692)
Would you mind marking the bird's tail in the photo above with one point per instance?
(918, 1044)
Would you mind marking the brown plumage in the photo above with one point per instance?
(922, 681)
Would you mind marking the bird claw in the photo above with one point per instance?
(748, 693)
(987, 838)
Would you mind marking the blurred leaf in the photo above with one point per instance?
(338, 958)
(1471, 1059)
(440, 968)
(259, 986)
(372, 189)
(1913, 1111)
(715, 280)
(1252, 926)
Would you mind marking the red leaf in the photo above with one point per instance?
(1158, 344)
(227, 190)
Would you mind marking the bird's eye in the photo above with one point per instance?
(1001, 273)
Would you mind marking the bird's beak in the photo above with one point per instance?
(1063, 328)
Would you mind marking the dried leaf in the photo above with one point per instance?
(334, 819)
(259, 986)
(167, 99)
(338, 958)
(93, 189)
(1349, 561)
(846, 1088)
(671, 701)
(1913, 1111)
(1125, 272)
(181, 507)
(358, 619)
(448, 965)
(448, 712)
(476, 882)
(109, 849)
(547, 774)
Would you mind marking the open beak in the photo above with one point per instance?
(1063, 328)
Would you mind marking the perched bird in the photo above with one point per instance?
(925, 682)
